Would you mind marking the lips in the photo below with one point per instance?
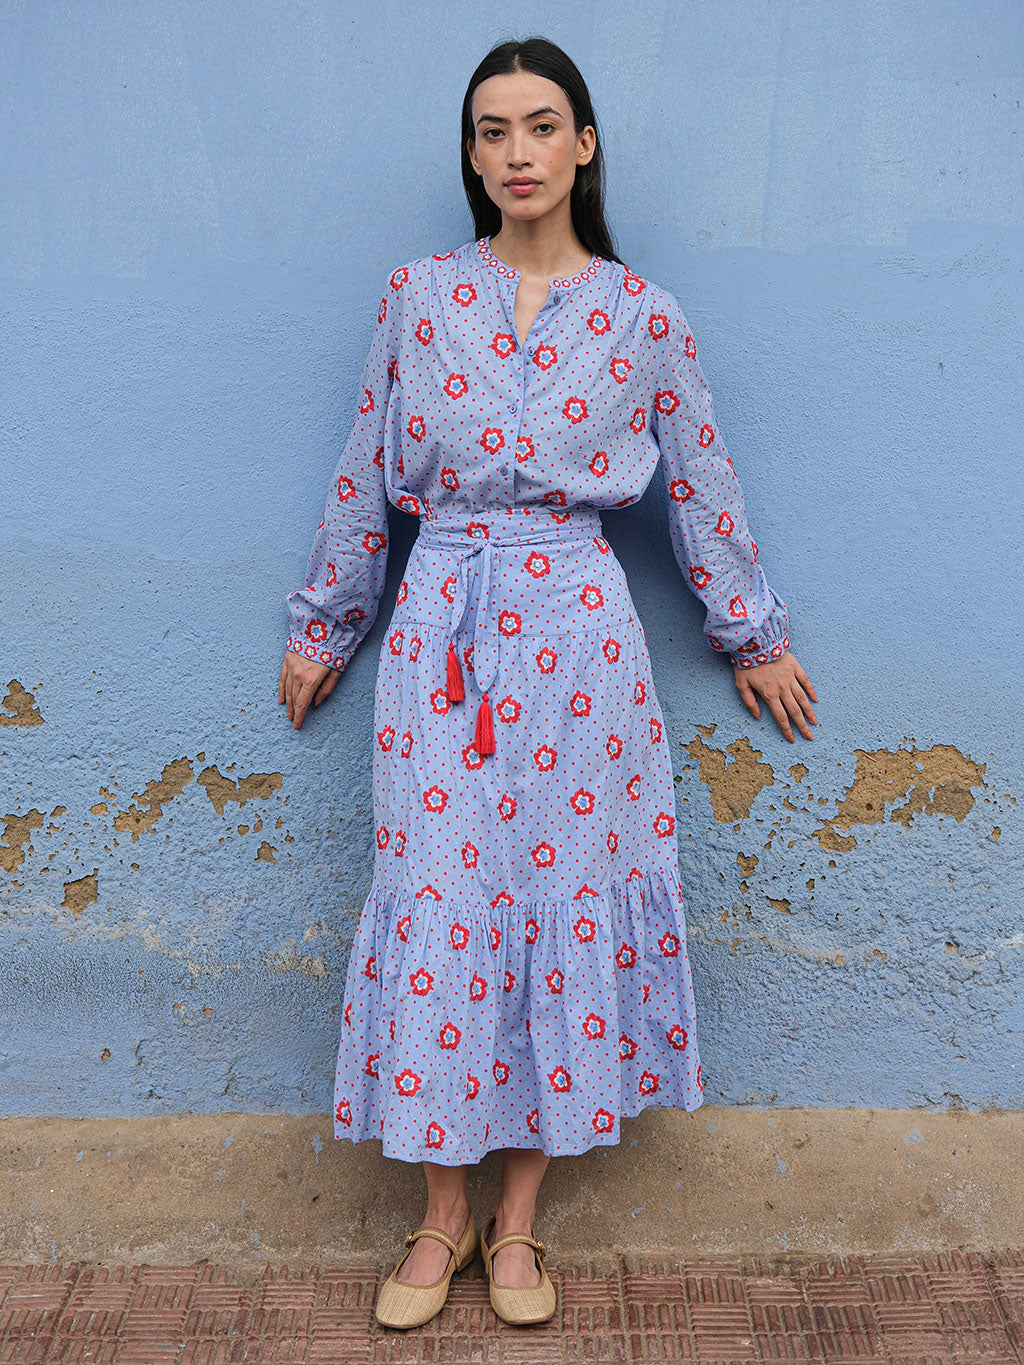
(512, 183)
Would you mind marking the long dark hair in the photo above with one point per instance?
(586, 200)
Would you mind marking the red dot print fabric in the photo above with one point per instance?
(519, 974)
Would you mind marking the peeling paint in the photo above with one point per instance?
(81, 892)
(221, 789)
(174, 779)
(733, 788)
(266, 853)
(21, 705)
(17, 833)
(931, 781)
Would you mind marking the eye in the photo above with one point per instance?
(488, 131)
(543, 125)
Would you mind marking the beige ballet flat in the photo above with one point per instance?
(519, 1305)
(411, 1305)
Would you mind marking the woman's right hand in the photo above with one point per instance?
(303, 681)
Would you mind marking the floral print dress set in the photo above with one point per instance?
(519, 974)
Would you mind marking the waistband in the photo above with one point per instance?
(474, 539)
(510, 526)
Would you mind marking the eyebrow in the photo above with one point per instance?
(494, 118)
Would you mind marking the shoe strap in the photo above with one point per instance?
(439, 1233)
(510, 1237)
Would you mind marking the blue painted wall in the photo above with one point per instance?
(199, 203)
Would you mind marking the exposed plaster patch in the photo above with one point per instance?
(82, 892)
(798, 772)
(935, 781)
(221, 789)
(17, 833)
(265, 853)
(287, 958)
(173, 780)
(747, 862)
(783, 906)
(21, 705)
(732, 789)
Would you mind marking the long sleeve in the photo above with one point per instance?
(708, 527)
(332, 613)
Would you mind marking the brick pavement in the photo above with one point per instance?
(959, 1307)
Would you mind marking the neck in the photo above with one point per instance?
(540, 249)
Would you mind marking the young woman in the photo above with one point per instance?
(519, 976)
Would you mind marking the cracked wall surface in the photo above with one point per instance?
(181, 872)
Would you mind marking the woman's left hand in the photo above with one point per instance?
(785, 687)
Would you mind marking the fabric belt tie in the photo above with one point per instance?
(524, 527)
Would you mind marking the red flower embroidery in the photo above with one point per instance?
(407, 1082)
(503, 345)
(543, 855)
(560, 1079)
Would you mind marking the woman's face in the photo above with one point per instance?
(524, 131)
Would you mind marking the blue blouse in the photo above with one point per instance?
(455, 415)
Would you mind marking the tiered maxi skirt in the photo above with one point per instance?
(519, 974)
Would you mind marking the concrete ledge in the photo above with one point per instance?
(252, 1189)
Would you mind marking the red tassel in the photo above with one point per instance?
(483, 741)
(456, 687)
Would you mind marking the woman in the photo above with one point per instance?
(519, 976)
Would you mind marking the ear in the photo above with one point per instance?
(589, 139)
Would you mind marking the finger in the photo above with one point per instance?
(748, 697)
(327, 686)
(802, 698)
(304, 697)
(779, 712)
(795, 710)
(807, 683)
(289, 691)
(280, 682)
